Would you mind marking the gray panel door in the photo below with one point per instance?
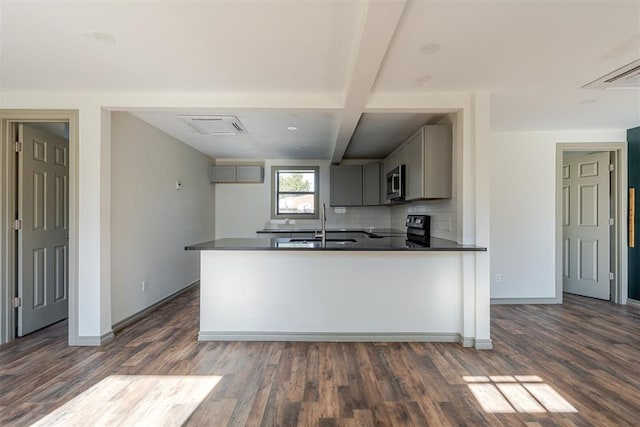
(585, 200)
(43, 250)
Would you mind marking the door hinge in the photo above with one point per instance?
(18, 146)
(17, 302)
(611, 167)
(611, 276)
(611, 221)
(17, 224)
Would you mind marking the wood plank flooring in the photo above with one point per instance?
(572, 365)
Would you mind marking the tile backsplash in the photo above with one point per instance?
(353, 217)
(443, 216)
(372, 216)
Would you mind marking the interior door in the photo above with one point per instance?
(586, 192)
(43, 252)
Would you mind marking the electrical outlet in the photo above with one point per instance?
(145, 286)
(498, 278)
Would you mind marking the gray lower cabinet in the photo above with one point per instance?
(346, 185)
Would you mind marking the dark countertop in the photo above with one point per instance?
(397, 243)
(383, 232)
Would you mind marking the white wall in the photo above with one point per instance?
(90, 198)
(523, 209)
(242, 209)
(151, 221)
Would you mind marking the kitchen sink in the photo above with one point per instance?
(318, 239)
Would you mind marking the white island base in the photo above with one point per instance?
(340, 296)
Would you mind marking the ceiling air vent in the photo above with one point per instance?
(215, 125)
(622, 78)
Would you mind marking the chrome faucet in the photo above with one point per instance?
(323, 221)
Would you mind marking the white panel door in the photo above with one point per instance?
(43, 250)
(585, 220)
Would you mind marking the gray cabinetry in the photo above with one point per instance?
(429, 163)
(236, 173)
(249, 173)
(396, 158)
(356, 185)
(371, 184)
(222, 173)
(415, 165)
(346, 186)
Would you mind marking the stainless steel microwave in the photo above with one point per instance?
(396, 183)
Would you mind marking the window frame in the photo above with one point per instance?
(275, 170)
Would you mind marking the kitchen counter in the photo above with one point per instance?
(365, 243)
(371, 289)
(382, 232)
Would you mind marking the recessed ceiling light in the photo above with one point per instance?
(588, 101)
(102, 37)
(429, 48)
(292, 128)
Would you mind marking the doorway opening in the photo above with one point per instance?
(38, 237)
(591, 221)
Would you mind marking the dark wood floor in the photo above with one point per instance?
(585, 352)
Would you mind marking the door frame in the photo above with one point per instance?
(619, 246)
(8, 274)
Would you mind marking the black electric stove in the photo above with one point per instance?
(418, 230)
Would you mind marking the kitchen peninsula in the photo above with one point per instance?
(371, 288)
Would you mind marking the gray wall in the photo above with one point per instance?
(151, 221)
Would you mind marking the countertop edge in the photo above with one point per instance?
(267, 245)
(336, 249)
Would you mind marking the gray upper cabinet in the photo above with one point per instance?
(236, 173)
(249, 173)
(346, 186)
(396, 158)
(429, 163)
(371, 184)
(222, 173)
(355, 185)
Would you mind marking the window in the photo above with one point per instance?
(294, 192)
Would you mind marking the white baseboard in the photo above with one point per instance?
(142, 313)
(499, 301)
(466, 341)
(94, 341)
(485, 344)
(328, 337)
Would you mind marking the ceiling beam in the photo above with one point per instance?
(380, 19)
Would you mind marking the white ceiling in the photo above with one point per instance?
(267, 136)
(533, 56)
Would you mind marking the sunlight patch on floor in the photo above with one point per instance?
(140, 400)
(503, 394)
